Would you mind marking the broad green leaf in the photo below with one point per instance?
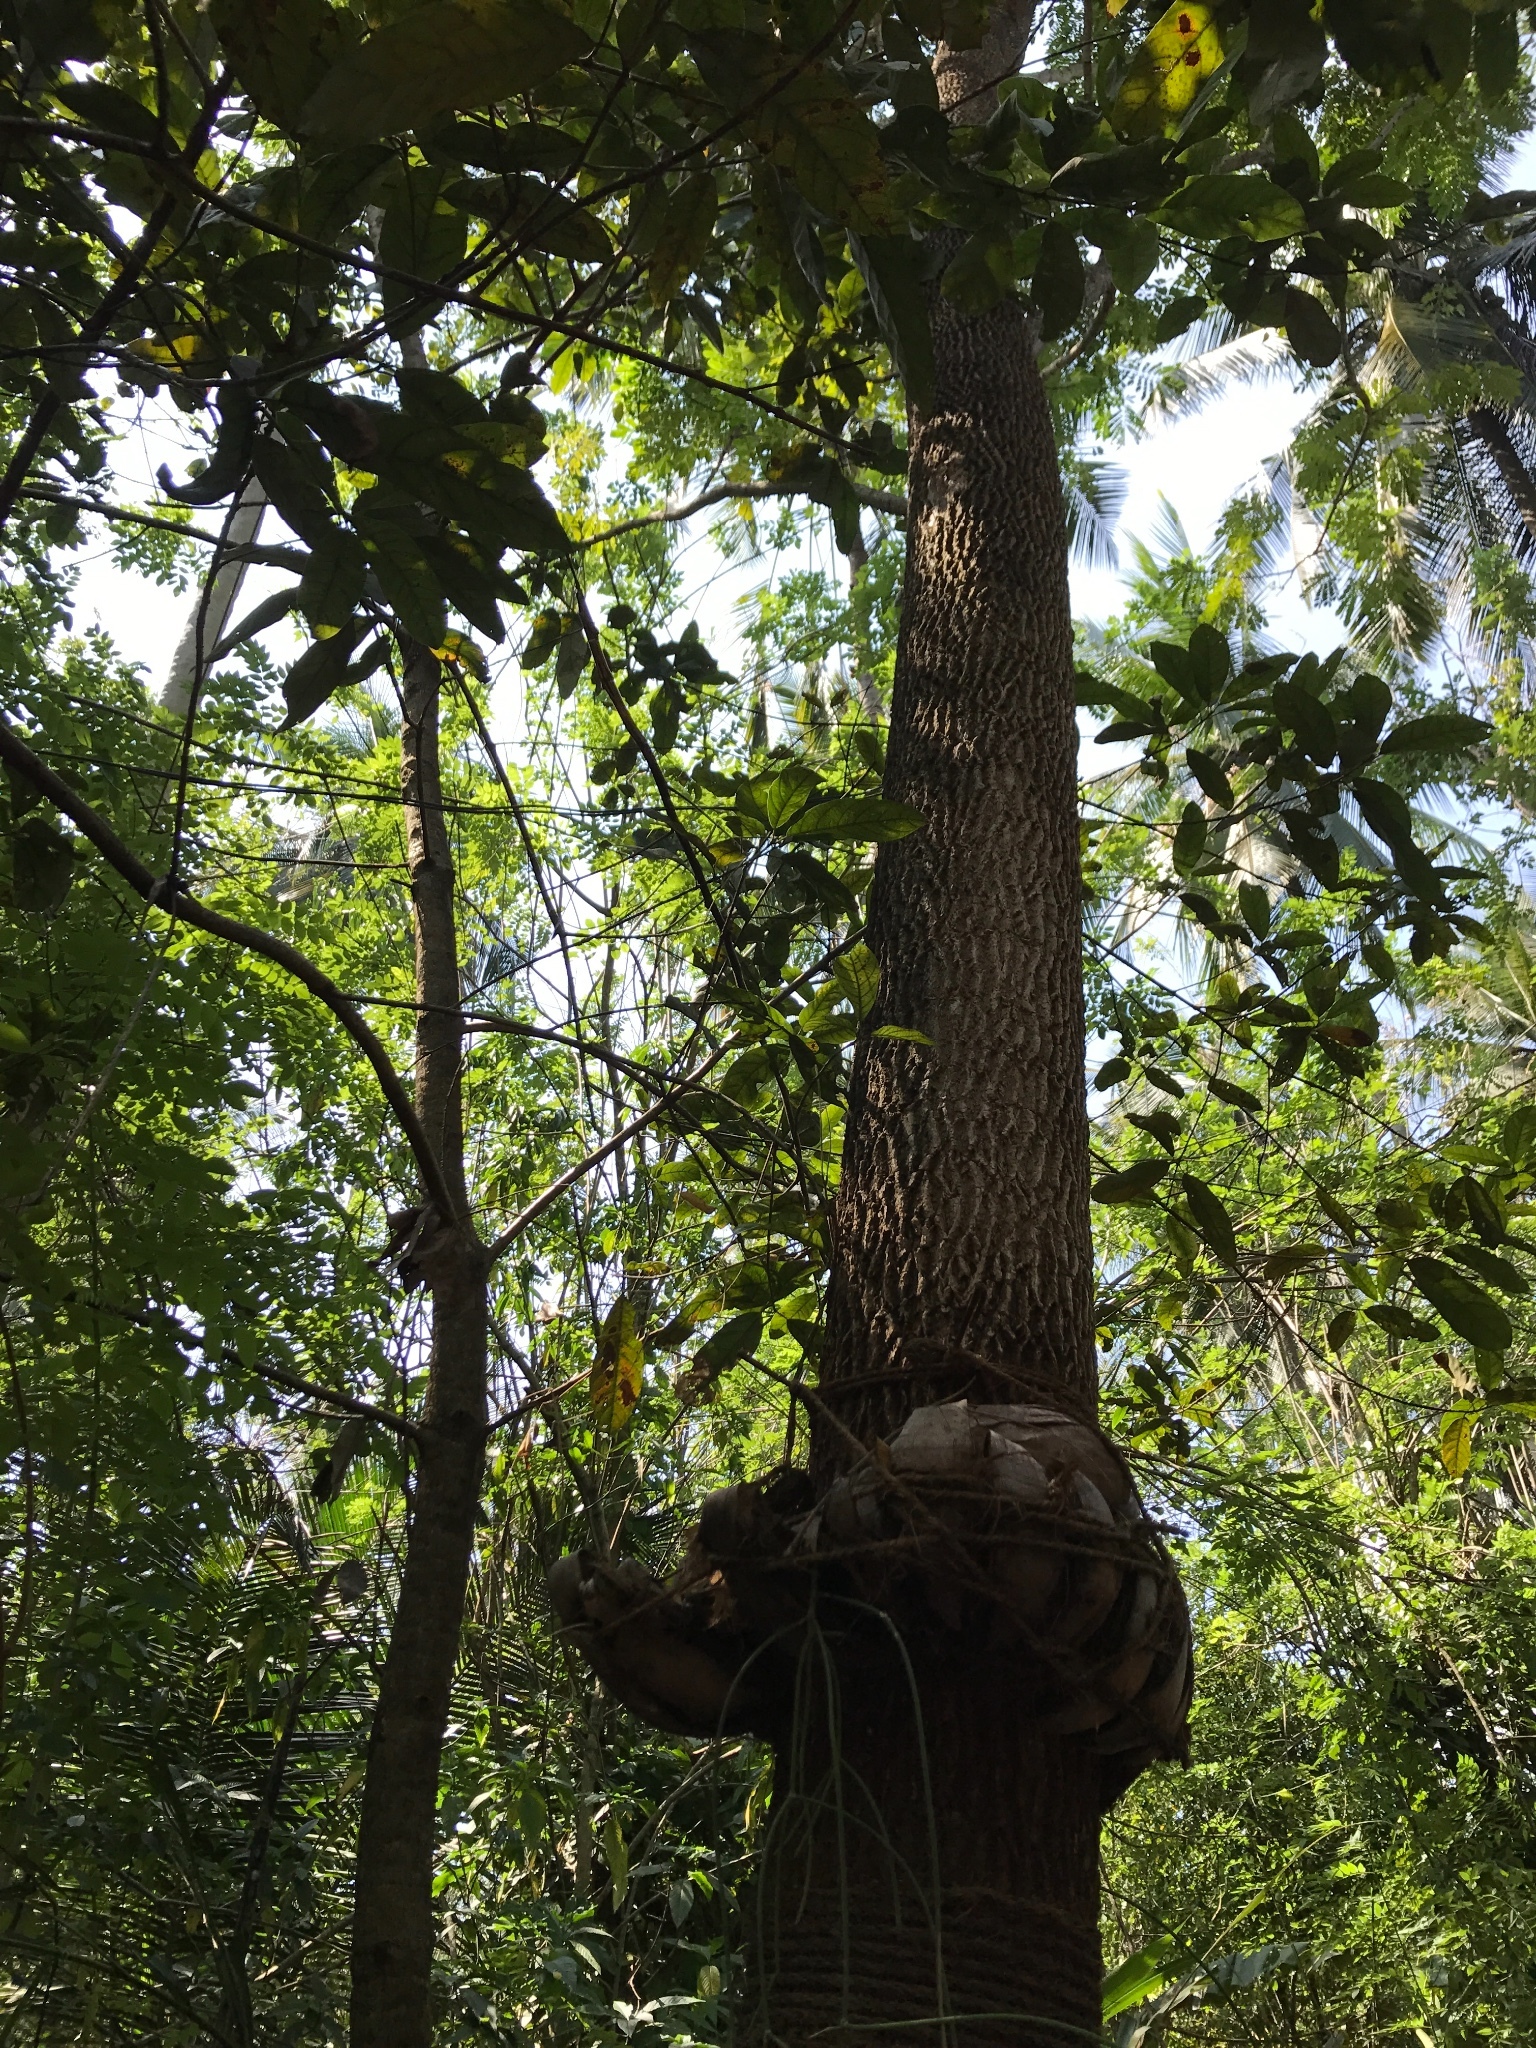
(618, 1369)
(1189, 839)
(1437, 732)
(1456, 1442)
(318, 674)
(42, 867)
(1503, 1273)
(1059, 279)
(892, 269)
(1234, 1093)
(1132, 1184)
(333, 582)
(1341, 1328)
(1210, 1217)
(1253, 901)
(1140, 1977)
(856, 819)
(812, 128)
(675, 244)
(283, 51)
(733, 1341)
(1224, 203)
(902, 1031)
(1471, 1313)
(1401, 1322)
(1310, 328)
(439, 55)
(1182, 51)
(856, 974)
(1211, 776)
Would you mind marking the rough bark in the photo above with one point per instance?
(962, 1259)
(392, 1928)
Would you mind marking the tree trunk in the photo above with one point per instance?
(392, 1934)
(962, 1260)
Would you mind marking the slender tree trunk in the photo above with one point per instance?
(936, 1858)
(392, 1931)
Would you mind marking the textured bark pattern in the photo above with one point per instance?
(392, 1931)
(857, 1926)
(962, 1221)
(964, 1909)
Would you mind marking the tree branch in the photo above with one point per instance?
(583, 1167)
(892, 502)
(177, 903)
(281, 1377)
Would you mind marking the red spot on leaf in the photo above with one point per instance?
(1186, 26)
(1191, 56)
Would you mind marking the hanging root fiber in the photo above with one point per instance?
(1010, 1536)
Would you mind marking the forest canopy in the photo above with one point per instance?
(430, 1000)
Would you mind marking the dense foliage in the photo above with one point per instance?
(485, 301)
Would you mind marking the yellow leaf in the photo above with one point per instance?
(1182, 50)
(617, 1369)
(1456, 1443)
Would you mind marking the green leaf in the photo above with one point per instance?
(1140, 1977)
(42, 867)
(1496, 52)
(319, 672)
(733, 1341)
(1485, 1211)
(1182, 51)
(1210, 1216)
(892, 267)
(811, 126)
(1134, 254)
(1500, 1271)
(1059, 279)
(1189, 839)
(856, 974)
(1132, 1184)
(1341, 1328)
(856, 819)
(1253, 901)
(1471, 1313)
(1310, 328)
(1238, 1096)
(1112, 1073)
(438, 56)
(295, 479)
(282, 51)
(1161, 1124)
(1309, 718)
(1456, 1442)
(1398, 1322)
(618, 1369)
(1211, 776)
(902, 1031)
(675, 243)
(1437, 732)
(332, 584)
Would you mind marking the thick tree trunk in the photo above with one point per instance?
(963, 1260)
(392, 1934)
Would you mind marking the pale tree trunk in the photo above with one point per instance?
(392, 1929)
(964, 1900)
